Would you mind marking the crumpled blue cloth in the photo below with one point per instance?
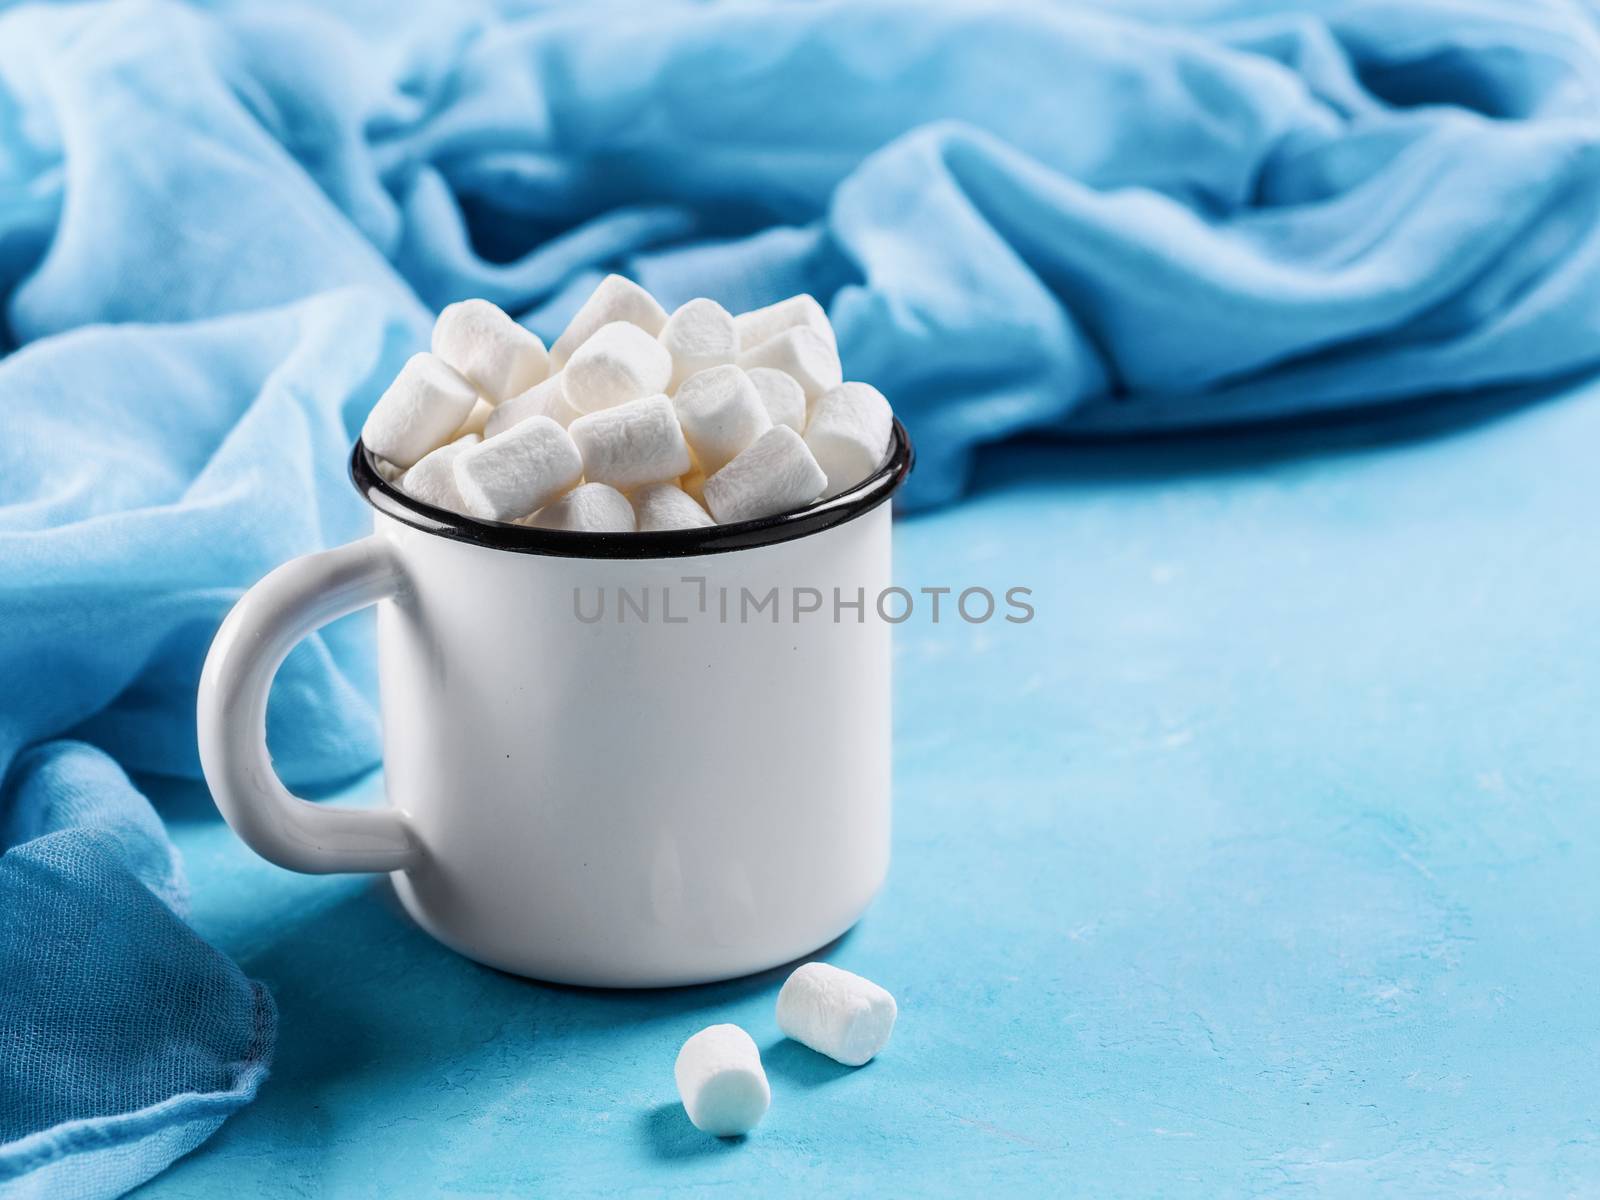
(222, 231)
(135, 1039)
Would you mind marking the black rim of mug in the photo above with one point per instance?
(675, 543)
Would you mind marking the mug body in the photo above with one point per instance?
(639, 772)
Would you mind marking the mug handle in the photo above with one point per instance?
(295, 600)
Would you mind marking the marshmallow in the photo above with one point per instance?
(721, 413)
(667, 506)
(774, 474)
(433, 479)
(616, 299)
(621, 362)
(547, 399)
(515, 472)
(632, 444)
(802, 354)
(720, 1079)
(844, 1016)
(759, 421)
(424, 405)
(785, 400)
(500, 357)
(476, 420)
(588, 508)
(694, 486)
(797, 311)
(849, 433)
(699, 335)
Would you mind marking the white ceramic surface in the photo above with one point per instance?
(623, 803)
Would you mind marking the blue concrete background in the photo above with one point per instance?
(1263, 861)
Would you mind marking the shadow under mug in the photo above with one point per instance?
(620, 760)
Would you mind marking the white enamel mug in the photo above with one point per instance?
(610, 759)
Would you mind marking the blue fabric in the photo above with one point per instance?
(126, 1039)
(222, 231)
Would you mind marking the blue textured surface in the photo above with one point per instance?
(1262, 861)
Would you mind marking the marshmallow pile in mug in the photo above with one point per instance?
(634, 420)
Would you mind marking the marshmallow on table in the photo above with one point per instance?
(720, 1080)
(433, 479)
(721, 413)
(663, 506)
(587, 508)
(515, 472)
(849, 433)
(785, 400)
(801, 353)
(757, 326)
(635, 443)
(500, 357)
(621, 362)
(698, 336)
(476, 420)
(844, 1016)
(616, 299)
(424, 405)
(774, 474)
(546, 399)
